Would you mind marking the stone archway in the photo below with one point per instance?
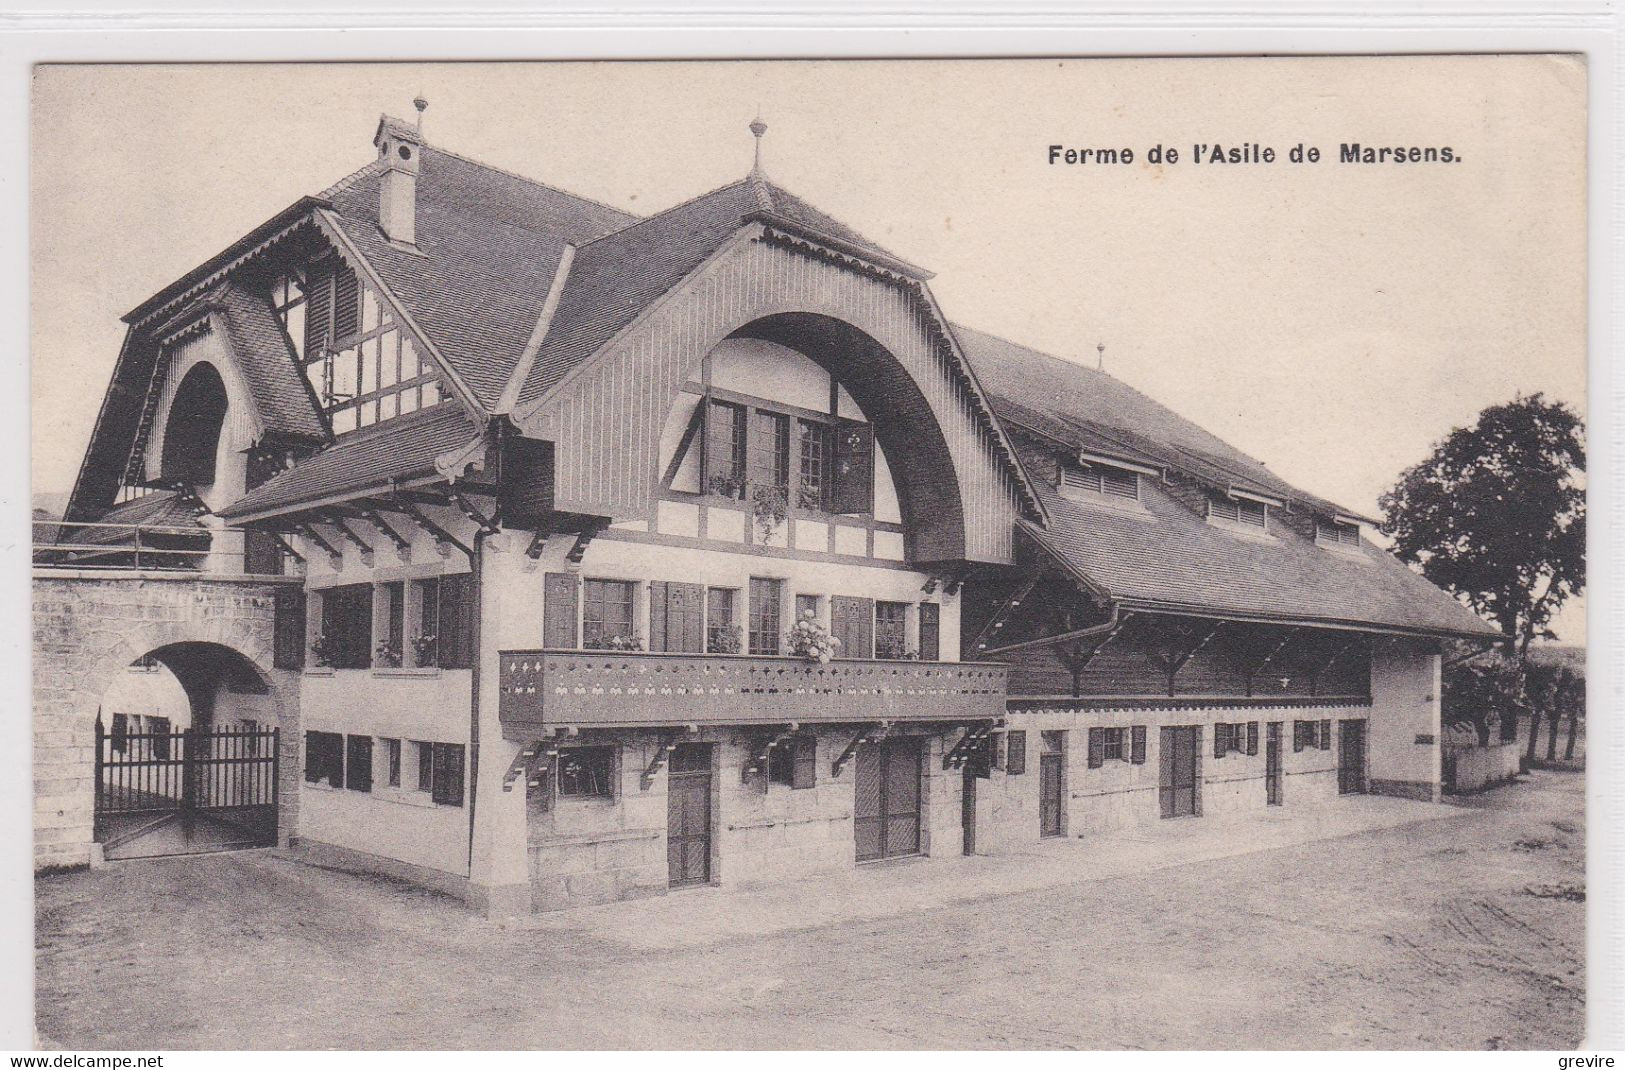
(90, 627)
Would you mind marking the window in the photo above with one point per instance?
(721, 633)
(392, 759)
(606, 614)
(794, 762)
(1112, 744)
(390, 650)
(769, 449)
(121, 733)
(347, 626)
(1232, 737)
(766, 597)
(324, 758)
(358, 763)
(586, 772)
(1015, 753)
(805, 604)
(890, 638)
(1333, 533)
(1101, 479)
(725, 449)
(1239, 511)
(930, 631)
(814, 462)
(425, 639)
(1311, 735)
(158, 732)
(440, 771)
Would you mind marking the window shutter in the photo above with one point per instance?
(456, 621)
(852, 621)
(1015, 753)
(805, 774)
(1297, 736)
(346, 304)
(930, 631)
(288, 629)
(559, 596)
(1252, 737)
(1097, 747)
(318, 310)
(657, 616)
(358, 764)
(685, 618)
(448, 774)
(1325, 735)
(1137, 735)
(1221, 739)
(854, 473)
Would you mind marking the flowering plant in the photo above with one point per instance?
(424, 648)
(614, 642)
(811, 640)
(322, 651)
(727, 639)
(387, 654)
(770, 507)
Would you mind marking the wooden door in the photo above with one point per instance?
(1272, 763)
(1049, 795)
(852, 621)
(1351, 758)
(886, 805)
(688, 815)
(1179, 789)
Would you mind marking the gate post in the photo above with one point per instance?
(189, 768)
(97, 825)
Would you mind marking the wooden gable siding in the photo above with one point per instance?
(606, 423)
(1125, 667)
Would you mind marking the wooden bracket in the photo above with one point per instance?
(966, 745)
(583, 540)
(403, 546)
(869, 733)
(539, 540)
(362, 545)
(522, 764)
(1274, 652)
(287, 548)
(1325, 666)
(997, 621)
(668, 743)
(444, 539)
(761, 752)
(309, 532)
(486, 524)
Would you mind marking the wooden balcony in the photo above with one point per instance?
(548, 689)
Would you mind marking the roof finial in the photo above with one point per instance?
(758, 129)
(1100, 359)
(422, 106)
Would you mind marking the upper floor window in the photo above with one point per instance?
(813, 453)
(1333, 533)
(725, 449)
(1101, 479)
(606, 614)
(1243, 511)
(766, 602)
(891, 630)
(828, 462)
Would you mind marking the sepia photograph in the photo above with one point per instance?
(997, 554)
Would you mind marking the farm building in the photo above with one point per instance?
(577, 556)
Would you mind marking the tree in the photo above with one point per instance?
(1572, 697)
(1496, 515)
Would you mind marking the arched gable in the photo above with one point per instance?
(605, 421)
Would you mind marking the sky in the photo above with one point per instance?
(1333, 320)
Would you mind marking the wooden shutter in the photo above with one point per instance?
(1252, 737)
(1165, 771)
(448, 774)
(288, 628)
(930, 631)
(852, 620)
(685, 618)
(318, 310)
(346, 304)
(1325, 735)
(1137, 744)
(358, 763)
(854, 474)
(1221, 739)
(560, 593)
(1297, 736)
(657, 617)
(1097, 747)
(805, 774)
(456, 638)
(1015, 753)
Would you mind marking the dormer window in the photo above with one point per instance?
(1101, 479)
(1337, 533)
(1243, 511)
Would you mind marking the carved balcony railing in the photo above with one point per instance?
(547, 689)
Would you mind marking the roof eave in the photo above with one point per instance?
(873, 256)
(1215, 612)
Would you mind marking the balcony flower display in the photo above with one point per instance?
(387, 655)
(321, 651)
(424, 649)
(727, 639)
(811, 640)
(614, 642)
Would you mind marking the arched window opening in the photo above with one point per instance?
(192, 434)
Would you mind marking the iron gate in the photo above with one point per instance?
(185, 791)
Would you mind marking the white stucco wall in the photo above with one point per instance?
(1405, 719)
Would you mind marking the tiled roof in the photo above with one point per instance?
(269, 364)
(1168, 557)
(488, 244)
(616, 277)
(395, 449)
(1092, 410)
(162, 508)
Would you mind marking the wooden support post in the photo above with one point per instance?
(486, 524)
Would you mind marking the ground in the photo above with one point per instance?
(1426, 927)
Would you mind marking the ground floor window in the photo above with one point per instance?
(358, 763)
(440, 771)
(586, 773)
(324, 758)
(794, 762)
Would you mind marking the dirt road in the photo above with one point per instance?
(1466, 933)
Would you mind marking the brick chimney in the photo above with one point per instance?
(399, 145)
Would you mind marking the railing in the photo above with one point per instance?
(543, 689)
(148, 547)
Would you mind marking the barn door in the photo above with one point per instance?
(688, 815)
(1272, 763)
(886, 810)
(1351, 758)
(1179, 788)
(1049, 795)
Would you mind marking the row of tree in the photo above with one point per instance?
(1494, 695)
